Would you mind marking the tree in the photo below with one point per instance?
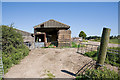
(111, 37)
(82, 34)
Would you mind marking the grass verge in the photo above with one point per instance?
(100, 74)
(111, 58)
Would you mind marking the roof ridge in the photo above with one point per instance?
(53, 20)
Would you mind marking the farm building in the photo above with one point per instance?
(77, 39)
(52, 32)
(26, 36)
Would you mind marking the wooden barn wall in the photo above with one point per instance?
(64, 38)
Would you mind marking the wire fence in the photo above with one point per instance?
(83, 48)
(1, 66)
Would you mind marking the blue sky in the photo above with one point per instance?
(90, 17)
(60, 0)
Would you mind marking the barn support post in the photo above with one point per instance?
(103, 47)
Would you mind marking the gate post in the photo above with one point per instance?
(103, 47)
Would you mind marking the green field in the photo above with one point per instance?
(113, 41)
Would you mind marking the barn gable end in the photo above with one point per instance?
(52, 24)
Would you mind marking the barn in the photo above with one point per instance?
(52, 32)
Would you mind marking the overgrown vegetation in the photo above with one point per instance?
(92, 54)
(13, 48)
(99, 73)
(74, 45)
(111, 58)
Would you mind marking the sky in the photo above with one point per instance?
(89, 17)
(60, 0)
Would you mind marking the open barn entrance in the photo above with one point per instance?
(40, 38)
(50, 37)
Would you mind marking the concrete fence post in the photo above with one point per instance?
(103, 47)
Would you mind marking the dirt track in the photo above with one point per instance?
(41, 61)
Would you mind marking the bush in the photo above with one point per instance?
(13, 48)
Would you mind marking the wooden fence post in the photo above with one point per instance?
(103, 47)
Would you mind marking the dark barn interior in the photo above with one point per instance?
(40, 36)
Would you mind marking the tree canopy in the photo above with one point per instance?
(82, 34)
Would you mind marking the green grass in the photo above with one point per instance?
(50, 75)
(74, 45)
(97, 40)
(84, 40)
(115, 48)
(100, 74)
(50, 46)
(92, 54)
(114, 41)
(111, 58)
